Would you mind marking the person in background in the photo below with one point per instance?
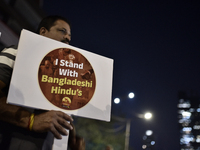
(109, 147)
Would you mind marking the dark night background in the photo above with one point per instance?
(155, 47)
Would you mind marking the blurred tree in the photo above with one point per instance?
(98, 134)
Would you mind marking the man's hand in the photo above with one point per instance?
(55, 121)
(75, 142)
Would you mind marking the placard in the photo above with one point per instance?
(52, 75)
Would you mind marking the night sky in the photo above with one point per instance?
(155, 47)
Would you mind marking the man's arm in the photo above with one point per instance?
(54, 121)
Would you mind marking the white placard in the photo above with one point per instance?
(25, 89)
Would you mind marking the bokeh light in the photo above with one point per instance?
(131, 95)
(148, 115)
(149, 132)
(116, 100)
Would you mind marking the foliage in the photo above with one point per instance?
(98, 134)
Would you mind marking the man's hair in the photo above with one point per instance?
(49, 21)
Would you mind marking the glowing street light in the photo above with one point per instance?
(149, 132)
(116, 100)
(148, 115)
(128, 122)
(131, 95)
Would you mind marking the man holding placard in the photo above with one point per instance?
(23, 128)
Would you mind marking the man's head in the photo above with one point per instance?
(55, 27)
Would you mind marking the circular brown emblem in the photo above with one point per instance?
(66, 79)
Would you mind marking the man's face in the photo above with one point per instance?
(60, 32)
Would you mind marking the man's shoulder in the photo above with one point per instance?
(9, 51)
(7, 47)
